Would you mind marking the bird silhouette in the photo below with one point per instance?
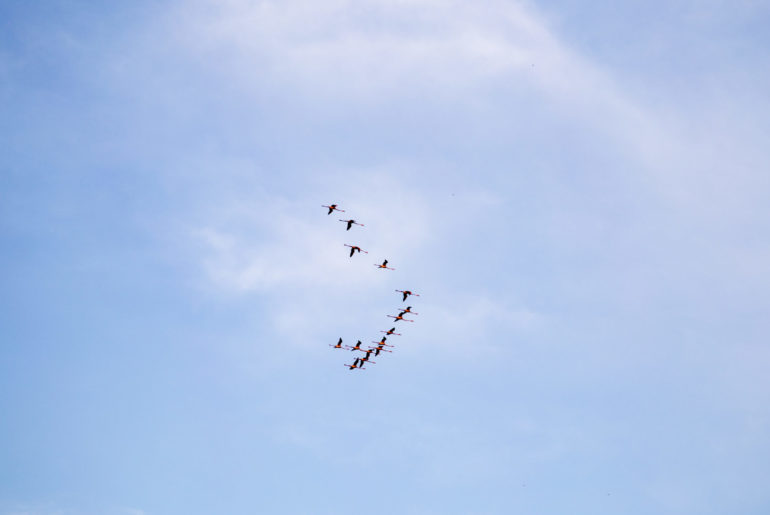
(407, 293)
(333, 207)
(384, 265)
(350, 223)
(355, 248)
(400, 317)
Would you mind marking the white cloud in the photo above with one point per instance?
(294, 251)
(378, 51)
(366, 49)
(271, 243)
(346, 56)
(368, 53)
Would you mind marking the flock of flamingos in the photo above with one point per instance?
(359, 362)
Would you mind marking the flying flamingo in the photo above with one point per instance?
(355, 248)
(357, 346)
(399, 317)
(407, 293)
(350, 223)
(356, 364)
(384, 265)
(378, 349)
(333, 207)
(382, 342)
(366, 359)
(407, 310)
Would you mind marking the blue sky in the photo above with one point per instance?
(579, 193)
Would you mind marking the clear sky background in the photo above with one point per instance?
(578, 190)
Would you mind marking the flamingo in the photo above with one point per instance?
(407, 293)
(399, 317)
(366, 359)
(382, 342)
(384, 265)
(333, 207)
(356, 364)
(355, 248)
(350, 223)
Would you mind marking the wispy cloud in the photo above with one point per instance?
(368, 50)
(349, 56)
(375, 53)
(271, 243)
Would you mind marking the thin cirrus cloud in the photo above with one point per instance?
(277, 242)
(344, 55)
(366, 49)
(292, 251)
(374, 53)
(295, 255)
